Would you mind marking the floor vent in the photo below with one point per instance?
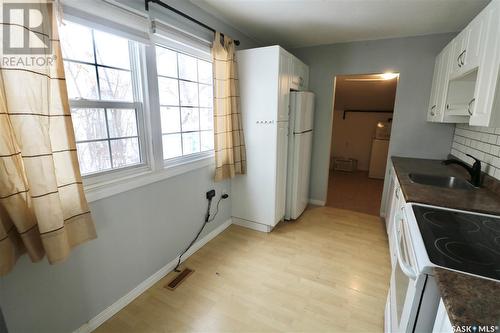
(179, 279)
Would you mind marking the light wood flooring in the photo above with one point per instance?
(327, 272)
(355, 191)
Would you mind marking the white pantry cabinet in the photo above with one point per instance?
(265, 77)
(466, 74)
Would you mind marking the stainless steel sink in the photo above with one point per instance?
(441, 181)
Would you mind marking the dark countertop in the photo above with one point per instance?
(468, 300)
(480, 200)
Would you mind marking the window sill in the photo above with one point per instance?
(143, 177)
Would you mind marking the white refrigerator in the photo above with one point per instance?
(299, 153)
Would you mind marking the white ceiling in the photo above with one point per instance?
(298, 23)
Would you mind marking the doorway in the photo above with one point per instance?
(362, 121)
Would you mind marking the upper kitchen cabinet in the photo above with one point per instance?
(466, 74)
(300, 74)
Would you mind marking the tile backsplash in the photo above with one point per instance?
(480, 142)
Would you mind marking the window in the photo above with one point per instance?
(186, 103)
(101, 74)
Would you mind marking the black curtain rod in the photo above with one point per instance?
(192, 19)
(373, 111)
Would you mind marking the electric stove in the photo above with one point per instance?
(460, 240)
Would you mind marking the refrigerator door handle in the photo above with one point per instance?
(306, 131)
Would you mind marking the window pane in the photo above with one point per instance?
(169, 91)
(115, 84)
(190, 143)
(188, 93)
(81, 80)
(190, 119)
(125, 152)
(172, 146)
(170, 119)
(187, 67)
(93, 156)
(207, 140)
(89, 124)
(76, 42)
(122, 122)
(206, 119)
(166, 62)
(206, 96)
(111, 50)
(204, 72)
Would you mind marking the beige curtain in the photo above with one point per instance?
(43, 210)
(230, 157)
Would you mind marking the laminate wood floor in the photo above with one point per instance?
(326, 272)
(355, 191)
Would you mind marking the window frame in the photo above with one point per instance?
(153, 167)
(198, 54)
(138, 104)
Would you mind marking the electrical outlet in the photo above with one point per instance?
(210, 194)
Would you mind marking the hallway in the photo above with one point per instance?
(355, 191)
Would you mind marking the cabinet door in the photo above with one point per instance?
(487, 104)
(472, 55)
(284, 87)
(281, 169)
(459, 45)
(431, 112)
(439, 88)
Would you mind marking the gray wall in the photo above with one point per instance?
(413, 58)
(139, 232)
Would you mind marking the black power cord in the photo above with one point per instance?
(210, 195)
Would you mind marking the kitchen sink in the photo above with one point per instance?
(440, 181)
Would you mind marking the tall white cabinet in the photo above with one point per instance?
(266, 77)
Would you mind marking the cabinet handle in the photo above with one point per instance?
(463, 57)
(469, 106)
(458, 60)
(432, 110)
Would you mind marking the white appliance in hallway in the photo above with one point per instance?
(380, 149)
(299, 153)
(267, 75)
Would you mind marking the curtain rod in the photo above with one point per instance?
(362, 111)
(192, 19)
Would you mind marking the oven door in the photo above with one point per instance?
(406, 283)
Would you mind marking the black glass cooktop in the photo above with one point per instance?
(461, 241)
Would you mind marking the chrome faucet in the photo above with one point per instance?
(474, 171)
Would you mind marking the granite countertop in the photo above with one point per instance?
(469, 300)
(482, 200)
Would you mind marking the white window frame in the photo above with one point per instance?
(190, 49)
(153, 167)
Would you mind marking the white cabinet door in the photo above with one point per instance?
(284, 86)
(487, 90)
(281, 169)
(476, 37)
(442, 323)
(459, 45)
(436, 110)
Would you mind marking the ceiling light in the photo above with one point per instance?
(389, 76)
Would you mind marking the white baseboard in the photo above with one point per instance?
(252, 225)
(317, 202)
(111, 310)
